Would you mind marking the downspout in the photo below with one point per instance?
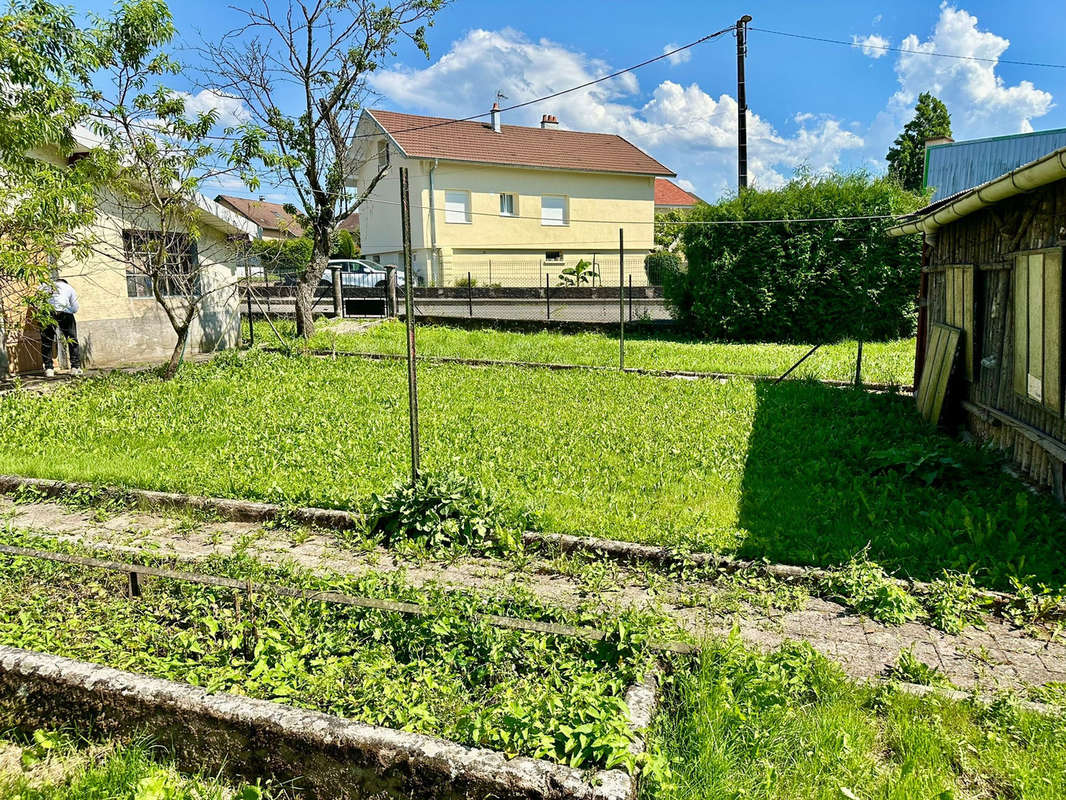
(433, 228)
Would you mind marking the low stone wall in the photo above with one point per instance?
(322, 755)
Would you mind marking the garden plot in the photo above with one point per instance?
(797, 473)
(443, 676)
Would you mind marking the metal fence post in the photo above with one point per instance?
(621, 301)
(547, 296)
(858, 365)
(470, 293)
(390, 291)
(631, 297)
(409, 312)
(490, 271)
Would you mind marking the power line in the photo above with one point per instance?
(889, 48)
(560, 93)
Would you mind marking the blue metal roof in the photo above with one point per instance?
(957, 166)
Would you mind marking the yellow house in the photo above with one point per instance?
(119, 321)
(505, 203)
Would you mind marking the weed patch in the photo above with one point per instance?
(446, 674)
(863, 585)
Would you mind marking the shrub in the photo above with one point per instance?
(659, 263)
(800, 281)
(279, 258)
(864, 586)
(442, 511)
(345, 245)
(466, 282)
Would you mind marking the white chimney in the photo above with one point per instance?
(496, 117)
(549, 121)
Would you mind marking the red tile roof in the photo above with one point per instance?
(668, 193)
(268, 216)
(514, 145)
(349, 223)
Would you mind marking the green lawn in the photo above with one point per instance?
(798, 473)
(883, 362)
(54, 765)
(787, 725)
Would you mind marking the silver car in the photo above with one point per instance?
(360, 272)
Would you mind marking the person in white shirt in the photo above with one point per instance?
(64, 302)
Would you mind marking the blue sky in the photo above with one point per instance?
(820, 105)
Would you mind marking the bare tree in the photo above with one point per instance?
(302, 72)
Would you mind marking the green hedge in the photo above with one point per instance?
(800, 281)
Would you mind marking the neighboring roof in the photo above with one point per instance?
(1044, 170)
(515, 145)
(668, 193)
(954, 167)
(268, 216)
(349, 223)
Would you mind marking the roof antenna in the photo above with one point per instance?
(500, 96)
(495, 113)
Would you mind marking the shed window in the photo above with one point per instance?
(959, 310)
(553, 210)
(1038, 327)
(170, 259)
(456, 206)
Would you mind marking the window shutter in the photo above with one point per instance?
(456, 207)
(552, 210)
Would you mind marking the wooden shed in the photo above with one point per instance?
(993, 270)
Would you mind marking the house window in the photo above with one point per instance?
(383, 154)
(456, 206)
(554, 256)
(959, 310)
(507, 205)
(553, 210)
(169, 258)
(1038, 327)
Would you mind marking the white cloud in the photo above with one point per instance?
(872, 45)
(683, 126)
(231, 110)
(677, 58)
(877, 19)
(980, 101)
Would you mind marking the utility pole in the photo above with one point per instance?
(742, 104)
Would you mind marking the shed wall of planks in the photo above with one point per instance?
(974, 261)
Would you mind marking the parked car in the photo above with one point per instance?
(355, 272)
(362, 272)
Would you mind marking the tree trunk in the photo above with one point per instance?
(179, 351)
(305, 293)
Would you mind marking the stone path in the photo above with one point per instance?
(999, 656)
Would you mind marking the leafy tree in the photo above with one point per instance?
(301, 68)
(346, 245)
(800, 281)
(669, 226)
(46, 61)
(906, 157)
(161, 157)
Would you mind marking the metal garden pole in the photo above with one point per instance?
(631, 297)
(248, 289)
(409, 311)
(621, 301)
(547, 296)
(470, 293)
